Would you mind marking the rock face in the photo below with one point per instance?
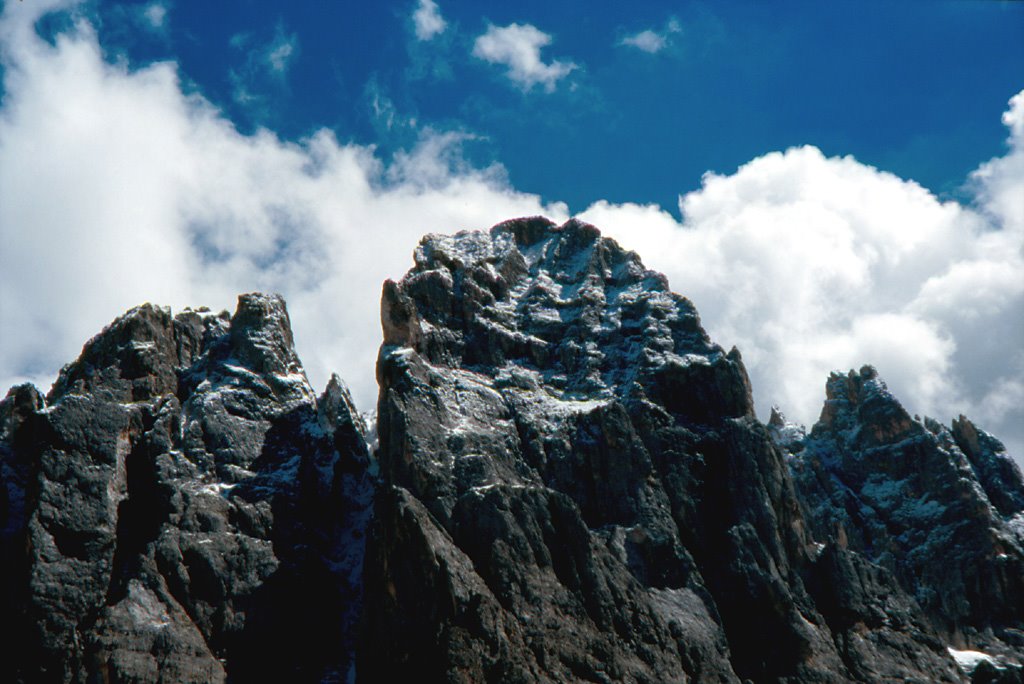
(570, 486)
(940, 509)
(181, 507)
(575, 487)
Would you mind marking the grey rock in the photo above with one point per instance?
(565, 481)
(560, 428)
(183, 508)
(879, 630)
(938, 509)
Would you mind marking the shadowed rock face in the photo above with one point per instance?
(940, 509)
(183, 508)
(575, 488)
(572, 487)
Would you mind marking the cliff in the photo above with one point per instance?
(570, 485)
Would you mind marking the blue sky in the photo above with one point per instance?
(832, 183)
(907, 86)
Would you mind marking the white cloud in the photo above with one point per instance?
(807, 263)
(999, 181)
(158, 198)
(650, 40)
(811, 264)
(647, 40)
(517, 46)
(427, 20)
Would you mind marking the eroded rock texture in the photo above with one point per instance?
(572, 487)
(940, 509)
(576, 488)
(182, 508)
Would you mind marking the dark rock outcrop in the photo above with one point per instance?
(940, 510)
(182, 508)
(570, 485)
(575, 487)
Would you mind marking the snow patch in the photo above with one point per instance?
(969, 660)
(217, 489)
(145, 608)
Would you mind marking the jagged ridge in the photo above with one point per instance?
(181, 507)
(573, 487)
(939, 508)
(540, 368)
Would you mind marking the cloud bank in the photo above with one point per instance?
(811, 264)
(117, 187)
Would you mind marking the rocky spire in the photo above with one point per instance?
(183, 509)
(938, 509)
(576, 486)
(573, 486)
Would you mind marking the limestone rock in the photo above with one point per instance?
(557, 427)
(939, 509)
(565, 481)
(183, 508)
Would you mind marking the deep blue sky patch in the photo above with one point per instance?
(910, 87)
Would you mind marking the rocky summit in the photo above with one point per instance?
(567, 483)
(181, 507)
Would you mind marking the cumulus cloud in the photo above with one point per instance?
(427, 20)
(998, 182)
(650, 40)
(811, 264)
(517, 47)
(807, 263)
(158, 197)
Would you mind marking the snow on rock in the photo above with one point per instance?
(201, 514)
(789, 436)
(968, 661)
(937, 507)
(559, 437)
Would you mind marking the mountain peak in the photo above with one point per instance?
(565, 481)
(565, 303)
(859, 406)
(262, 334)
(938, 509)
(133, 358)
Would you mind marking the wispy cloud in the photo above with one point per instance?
(272, 57)
(427, 20)
(391, 125)
(155, 14)
(280, 52)
(263, 70)
(517, 47)
(650, 40)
